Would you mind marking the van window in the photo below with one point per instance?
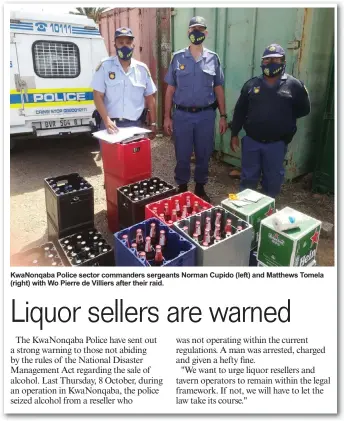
(56, 59)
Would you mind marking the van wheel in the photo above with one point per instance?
(13, 143)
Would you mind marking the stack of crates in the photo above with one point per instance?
(155, 209)
(44, 255)
(230, 251)
(69, 203)
(132, 210)
(123, 163)
(294, 247)
(177, 252)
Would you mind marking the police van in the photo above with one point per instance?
(53, 58)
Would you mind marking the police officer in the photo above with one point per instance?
(121, 84)
(267, 108)
(195, 86)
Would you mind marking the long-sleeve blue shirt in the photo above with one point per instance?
(269, 112)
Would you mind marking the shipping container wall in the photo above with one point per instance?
(239, 36)
(151, 28)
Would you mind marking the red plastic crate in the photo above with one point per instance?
(182, 201)
(112, 216)
(124, 161)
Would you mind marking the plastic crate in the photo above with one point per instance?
(131, 212)
(178, 252)
(253, 258)
(232, 251)
(54, 234)
(71, 210)
(182, 201)
(102, 259)
(124, 161)
(37, 256)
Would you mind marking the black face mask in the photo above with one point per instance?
(273, 69)
(196, 37)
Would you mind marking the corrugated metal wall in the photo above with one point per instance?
(151, 28)
(239, 36)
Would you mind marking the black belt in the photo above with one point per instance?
(123, 119)
(196, 109)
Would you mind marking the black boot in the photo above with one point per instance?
(200, 192)
(182, 188)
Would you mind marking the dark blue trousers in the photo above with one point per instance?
(262, 160)
(193, 132)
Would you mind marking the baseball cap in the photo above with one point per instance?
(273, 50)
(124, 32)
(197, 21)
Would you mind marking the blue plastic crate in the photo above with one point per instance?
(178, 252)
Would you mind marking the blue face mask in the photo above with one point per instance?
(273, 69)
(124, 53)
(196, 37)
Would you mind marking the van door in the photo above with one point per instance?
(56, 75)
(16, 101)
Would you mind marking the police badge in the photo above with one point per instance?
(112, 75)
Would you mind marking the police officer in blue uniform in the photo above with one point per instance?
(121, 85)
(268, 108)
(195, 87)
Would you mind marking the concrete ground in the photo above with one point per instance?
(34, 160)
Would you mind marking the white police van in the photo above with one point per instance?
(53, 58)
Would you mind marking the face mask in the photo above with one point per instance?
(273, 69)
(196, 37)
(124, 53)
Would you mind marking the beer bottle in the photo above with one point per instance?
(142, 255)
(162, 239)
(177, 207)
(148, 249)
(228, 227)
(70, 249)
(195, 236)
(152, 233)
(193, 213)
(145, 187)
(198, 228)
(46, 251)
(196, 207)
(155, 210)
(151, 191)
(185, 212)
(206, 237)
(217, 239)
(162, 217)
(218, 218)
(136, 199)
(100, 247)
(158, 258)
(167, 212)
(125, 192)
(65, 243)
(141, 194)
(186, 229)
(188, 204)
(126, 240)
(217, 232)
(134, 246)
(136, 193)
(139, 240)
(239, 228)
(131, 196)
(161, 187)
(205, 244)
(208, 223)
(174, 215)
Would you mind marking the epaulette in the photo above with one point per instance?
(103, 61)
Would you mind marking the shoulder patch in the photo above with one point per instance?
(103, 61)
(99, 66)
(215, 54)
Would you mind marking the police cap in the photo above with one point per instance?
(273, 50)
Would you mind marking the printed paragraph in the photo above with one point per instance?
(89, 370)
(227, 371)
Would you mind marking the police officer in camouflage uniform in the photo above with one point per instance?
(268, 108)
(195, 88)
(121, 85)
